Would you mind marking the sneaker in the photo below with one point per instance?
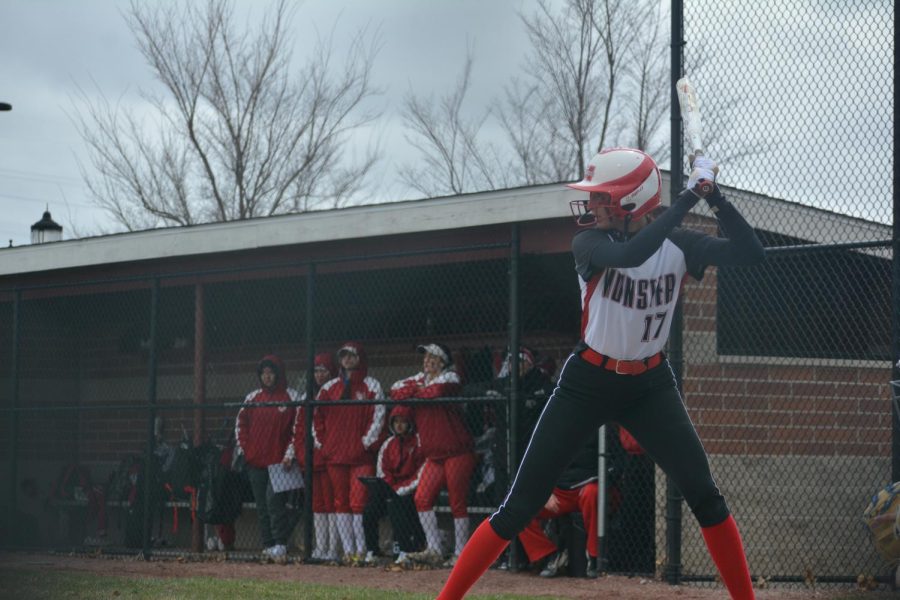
(371, 558)
(428, 556)
(591, 571)
(555, 564)
(211, 543)
(402, 559)
(279, 550)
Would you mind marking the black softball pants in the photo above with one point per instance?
(647, 405)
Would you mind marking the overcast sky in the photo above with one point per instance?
(51, 47)
(825, 81)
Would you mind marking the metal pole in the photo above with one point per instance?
(512, 460)
(199, 393)
(308, 522)
(895, 292)
(149, 471)
(13, 415)
(676, 351)
(603, 494)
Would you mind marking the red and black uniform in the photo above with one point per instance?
(400, 464)
(447, 444)
(350, 435)
(630, 286)
(400, 459)
(576, 491)
(323, 498)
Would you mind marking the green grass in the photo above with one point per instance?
(27, 584)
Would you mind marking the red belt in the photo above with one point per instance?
(622, 367)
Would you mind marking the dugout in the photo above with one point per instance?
(102, 335)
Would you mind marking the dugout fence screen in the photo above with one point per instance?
(784, 366)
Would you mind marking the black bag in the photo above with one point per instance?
(220, 494)
(181, 477)
(72, 484)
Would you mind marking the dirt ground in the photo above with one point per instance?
(493, 582)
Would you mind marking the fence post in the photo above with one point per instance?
(676, 356)
(895, 295)
(13, 415)
(149, 471)
(308, 522)
(512, 461)
(199, 393)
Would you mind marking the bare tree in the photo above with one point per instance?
(453, 158)
(647, 90)
(567, 83)
(237, 134)
(556, 115)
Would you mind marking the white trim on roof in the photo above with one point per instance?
(435, 214)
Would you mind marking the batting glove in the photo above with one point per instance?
(704, 169)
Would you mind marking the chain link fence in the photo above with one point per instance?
(786, 364)
(121, 397)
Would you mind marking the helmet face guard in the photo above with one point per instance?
(628, 178)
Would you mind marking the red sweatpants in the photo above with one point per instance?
(350, 494)
(454, 472)
(584, 500)
(323, 496)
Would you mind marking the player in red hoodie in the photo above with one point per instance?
(399, 466)
(447, 445)
(263, 434)
(350, 437)
(324, 517)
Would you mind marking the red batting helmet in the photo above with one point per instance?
(628, 178)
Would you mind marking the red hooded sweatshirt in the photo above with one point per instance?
(350, 435)
(441, 427)
(400, 460)
(263, 434)
(297, 448)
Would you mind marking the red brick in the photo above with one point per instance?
(815, 449)
(724, 386)
(721, 417)
(764, 388)
(702, 401)
(757, 372)
(796, 373)
(788, 434)
(835, 435)
(748, 433)
(876, 376)
(814, 389)
(703, 371)
(726, 448)
(875, 406)
(855, 390)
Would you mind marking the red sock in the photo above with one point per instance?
(483, 548)
(727, 551)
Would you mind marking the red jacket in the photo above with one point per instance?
(441, 428)
(350, 435)
(263, 434)
(297, 448)
(400, 460)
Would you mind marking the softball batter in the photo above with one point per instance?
(630, 268)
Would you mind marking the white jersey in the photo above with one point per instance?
(627, 312)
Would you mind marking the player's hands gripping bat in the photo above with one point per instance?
(704, 170)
